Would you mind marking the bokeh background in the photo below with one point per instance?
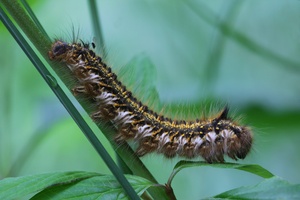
(245, 53)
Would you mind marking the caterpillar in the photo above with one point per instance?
(210, 138)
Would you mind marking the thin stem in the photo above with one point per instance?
(33, 17)
(95, 18)
(36, 36)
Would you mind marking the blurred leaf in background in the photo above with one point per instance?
(245, 53)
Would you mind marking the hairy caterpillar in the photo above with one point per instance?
(210, 138)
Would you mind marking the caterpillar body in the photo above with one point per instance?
(210, 138)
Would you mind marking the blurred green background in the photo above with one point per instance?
(245, 53)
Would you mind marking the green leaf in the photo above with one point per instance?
(254, 169)
(17, 187)
(272, 188)
(76, 185)
(97, 187)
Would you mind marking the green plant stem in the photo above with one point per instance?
(36, 36)
(95, 18)
(33, 17)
